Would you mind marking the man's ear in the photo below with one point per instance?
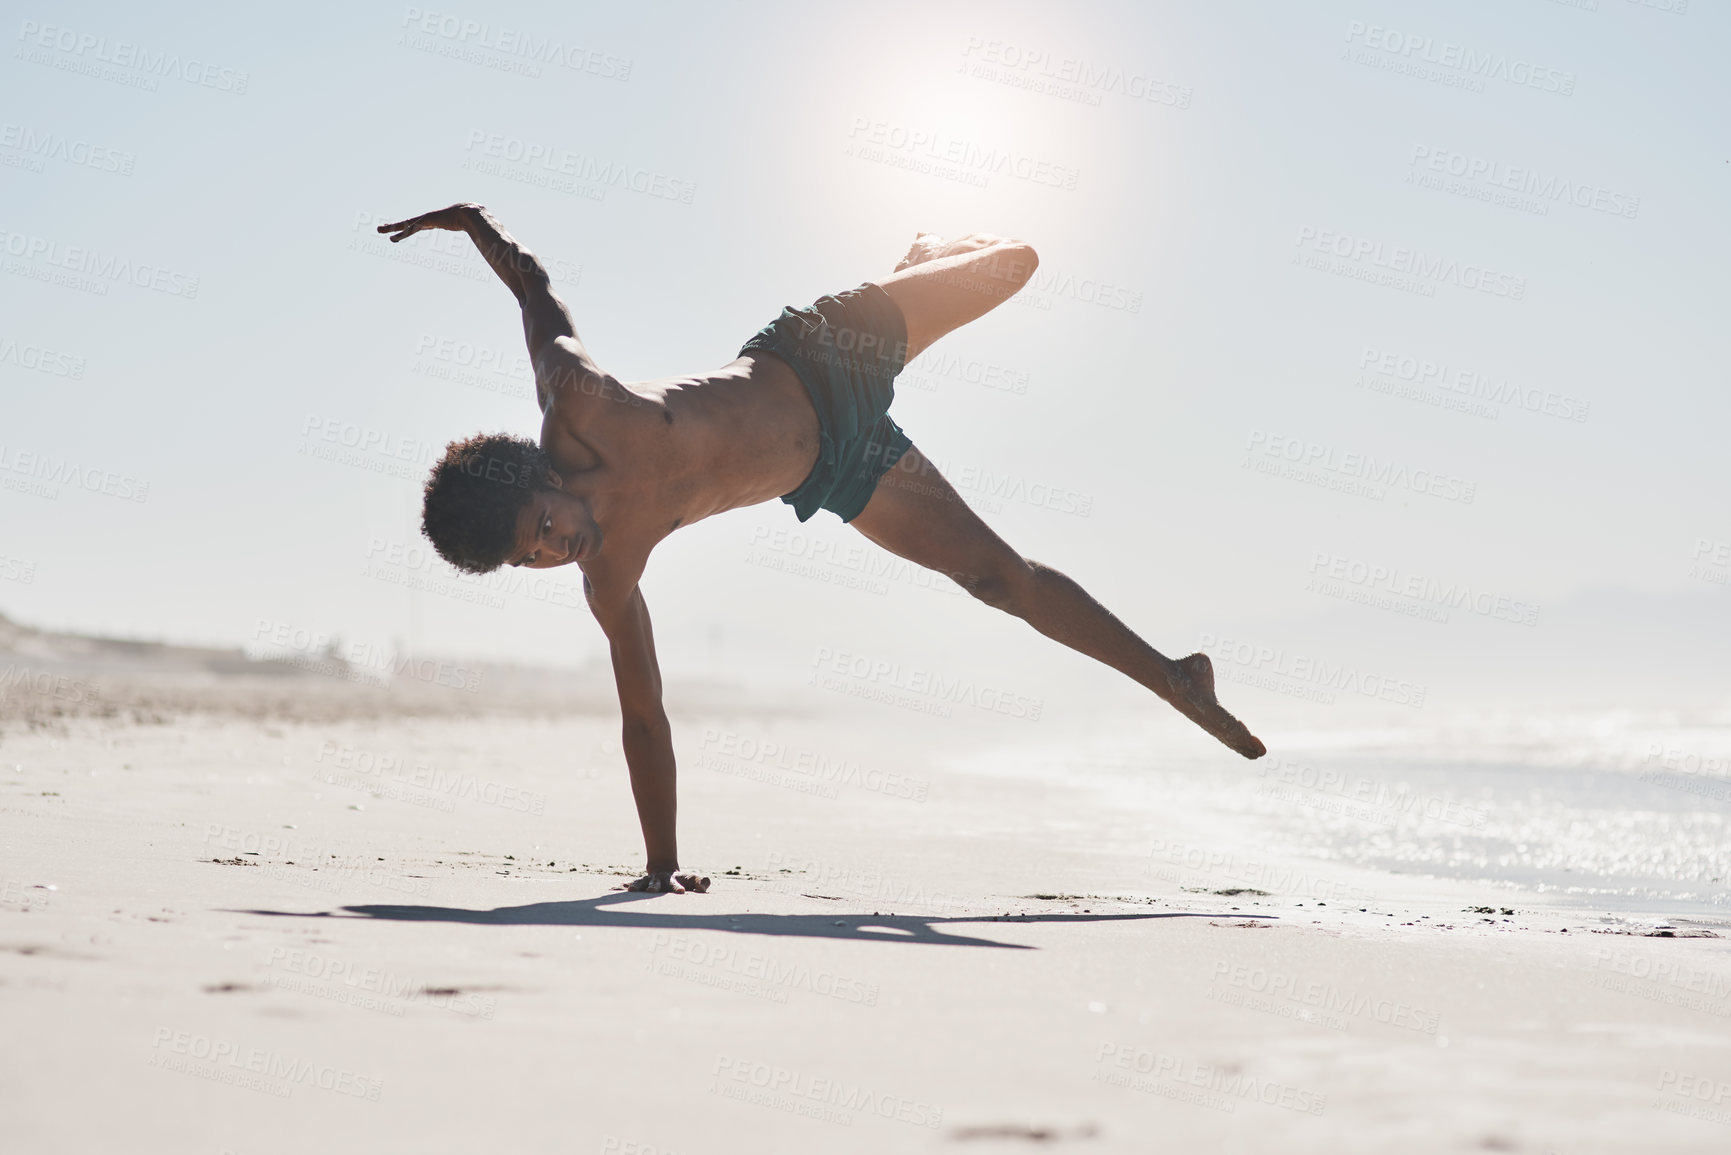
(553, 478)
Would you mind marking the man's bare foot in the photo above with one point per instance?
(925, 247)
(1193, 695)
(669, 881)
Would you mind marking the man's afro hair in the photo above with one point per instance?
(474, 495)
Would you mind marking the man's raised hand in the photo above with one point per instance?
(669, 882)
(451, 219)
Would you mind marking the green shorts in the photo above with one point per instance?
(846, 349)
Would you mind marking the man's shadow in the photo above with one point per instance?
(906, 928)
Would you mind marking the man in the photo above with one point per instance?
(801, 414)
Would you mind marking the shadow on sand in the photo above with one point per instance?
(927, 929)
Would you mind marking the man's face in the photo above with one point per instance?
(554, 529)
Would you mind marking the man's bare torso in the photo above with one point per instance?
(651, 456)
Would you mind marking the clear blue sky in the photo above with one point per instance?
(1397, 254)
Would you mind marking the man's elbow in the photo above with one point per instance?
(645, 724)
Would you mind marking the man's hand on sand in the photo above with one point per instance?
(449, 219)
(668, 882)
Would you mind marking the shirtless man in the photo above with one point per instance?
(801, 414)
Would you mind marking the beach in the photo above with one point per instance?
(385, 920)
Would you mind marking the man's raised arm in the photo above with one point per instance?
(645, 734)
(545, 318)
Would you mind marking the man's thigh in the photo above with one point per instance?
(942, 295)
(917, 514)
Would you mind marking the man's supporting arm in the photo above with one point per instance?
(646, 735)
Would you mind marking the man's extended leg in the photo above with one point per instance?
(916, 514)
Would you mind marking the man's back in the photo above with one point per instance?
(654, 455)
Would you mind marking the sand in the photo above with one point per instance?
(316, 920)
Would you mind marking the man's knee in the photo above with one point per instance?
(1003, 584)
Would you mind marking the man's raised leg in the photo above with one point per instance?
(915, 513)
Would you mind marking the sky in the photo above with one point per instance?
(1377, 337)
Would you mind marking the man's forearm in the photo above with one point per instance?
(514, 264)
(654, 784)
